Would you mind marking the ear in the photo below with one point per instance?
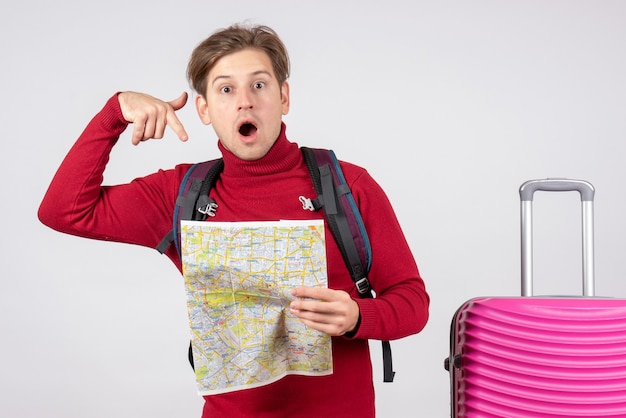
(284, 97)
(203, 109)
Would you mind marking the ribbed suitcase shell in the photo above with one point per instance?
(533, 357)
(540, 357)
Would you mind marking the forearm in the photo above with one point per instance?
(400, 312)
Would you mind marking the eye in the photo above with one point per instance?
(226, 89)
(259, 85)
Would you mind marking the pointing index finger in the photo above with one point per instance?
(177, 126)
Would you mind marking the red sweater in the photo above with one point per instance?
(140, 212)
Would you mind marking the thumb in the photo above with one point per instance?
(179, 102)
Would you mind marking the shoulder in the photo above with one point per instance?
(361, 183)
(324, 156)
(199, 170)
(354, 173)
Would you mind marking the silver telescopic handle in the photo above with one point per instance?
(587, 192)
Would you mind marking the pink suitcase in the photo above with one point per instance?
(530, 356)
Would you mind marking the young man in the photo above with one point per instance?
(240, 76)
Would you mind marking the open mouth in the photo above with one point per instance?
(247, 129)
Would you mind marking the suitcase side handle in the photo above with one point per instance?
(587, 193)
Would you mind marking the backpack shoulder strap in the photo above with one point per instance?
(193, 201)
(346, 225)
(342, 214)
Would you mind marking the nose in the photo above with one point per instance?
(245, 100)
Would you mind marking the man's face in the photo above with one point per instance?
(245, 103)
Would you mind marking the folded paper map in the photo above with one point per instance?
(238, 281)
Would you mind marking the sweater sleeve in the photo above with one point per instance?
(401, 305)
(77, 203)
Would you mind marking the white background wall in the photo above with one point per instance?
(451, 105)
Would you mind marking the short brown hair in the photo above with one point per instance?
(233, 39)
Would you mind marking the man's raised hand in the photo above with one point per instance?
(150, 115)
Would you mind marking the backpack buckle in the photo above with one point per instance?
(362, 286)
(307, 204)
(208, 209)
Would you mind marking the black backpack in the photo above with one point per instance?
(333, 195)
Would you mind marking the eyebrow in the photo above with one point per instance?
(227, 77)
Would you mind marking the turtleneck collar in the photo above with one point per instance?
(283, 156)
